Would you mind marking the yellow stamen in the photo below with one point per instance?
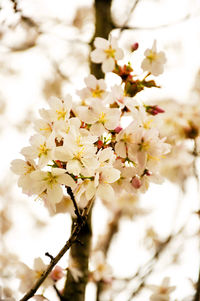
(102, 118)
(61, 114)
(110, 52)
(97, 92)
(43, 150)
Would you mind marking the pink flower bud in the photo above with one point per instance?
(118, 129)
(136, 182)
(57, 273)
(154, 110)
(134, 46)
(99, 144)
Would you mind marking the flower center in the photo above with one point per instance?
(152, 56)
(61, 114)
(102, 118)
(97, 93)
(51, 179)
(110, 52)
(43, 150)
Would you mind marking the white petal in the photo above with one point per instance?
(90, 190)
(98, 56)
(110, 174)
(54, 194)
(29, 152)
(19, 166)
(63, 154)
(106, 154)
(105, 192)
(67, 180)
(91, 81)
(119, 54)
(38, 175)
(74, 167)
(108, 65)
(101, 43)
(97, 129)
(120, 149)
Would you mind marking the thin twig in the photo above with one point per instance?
(54, 261)
(76, 209)
(15, 6)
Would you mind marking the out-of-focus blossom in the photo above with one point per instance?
(74, 269)
(154, 61)
(4, 299)
(161, 292)
(57, 273)
(101, 270)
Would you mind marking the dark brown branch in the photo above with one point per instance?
(15, 6)
(79, 254)
(54, 261)
(76, 209)
(197, 294)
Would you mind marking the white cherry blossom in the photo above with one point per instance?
(154, 61)
(41, 148)
(106, 52)
(101, 270)
(96, 89)
(161, 292)
(49, 184)
(24, 170)
(101, 117)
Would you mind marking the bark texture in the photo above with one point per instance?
(79, 252)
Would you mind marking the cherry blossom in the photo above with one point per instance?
(154, 61)
(96, 89)
(106, 52)
(162, 292)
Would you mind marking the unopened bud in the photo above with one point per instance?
(136, 182)
(99, 144)
(118, 129)
(134, 46)
(154, 110)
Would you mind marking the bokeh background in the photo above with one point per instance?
(44, 47)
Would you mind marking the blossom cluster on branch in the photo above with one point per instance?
(86, 147)
(107, 145)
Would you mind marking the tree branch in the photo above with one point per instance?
(66, 247)
(77, 212)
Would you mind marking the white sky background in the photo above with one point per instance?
(21, 93)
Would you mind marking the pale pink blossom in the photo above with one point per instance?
(101, 270)
(106, 52)
(49, 184)
(161, 292)
(154, 61)
(57, 273)
(96, 88)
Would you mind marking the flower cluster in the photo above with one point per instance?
(180, 126)
(89, 148)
